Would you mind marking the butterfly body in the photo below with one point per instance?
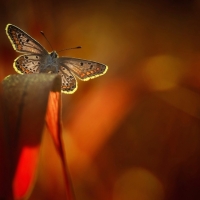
(50, 63)
(36, 59)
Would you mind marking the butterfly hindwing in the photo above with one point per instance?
(22, 42)
(26, 64)
(69, 83)
(83, 69)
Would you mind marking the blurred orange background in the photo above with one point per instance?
(133, 133)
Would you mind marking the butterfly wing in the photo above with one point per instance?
(69, 83)
(83, 69)
(26, 64)
(22, 42)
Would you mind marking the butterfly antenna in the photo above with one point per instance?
(46, 39)
(78, 47)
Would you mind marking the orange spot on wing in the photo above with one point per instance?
(82, 75)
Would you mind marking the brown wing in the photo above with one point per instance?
(22, 42)
(69, 83)
(83, 69)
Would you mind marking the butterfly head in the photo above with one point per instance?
(50, 63)
(53, 54)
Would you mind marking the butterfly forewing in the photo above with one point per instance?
(22, 42)
(69, 83)
(83, 69)
(28, 64)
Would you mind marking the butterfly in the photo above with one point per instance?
(36, 59)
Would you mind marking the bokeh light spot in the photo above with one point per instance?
(139, 184)
(163, 72)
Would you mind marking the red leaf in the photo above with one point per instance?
(25, 171)
(54, 126)
(23, 104)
